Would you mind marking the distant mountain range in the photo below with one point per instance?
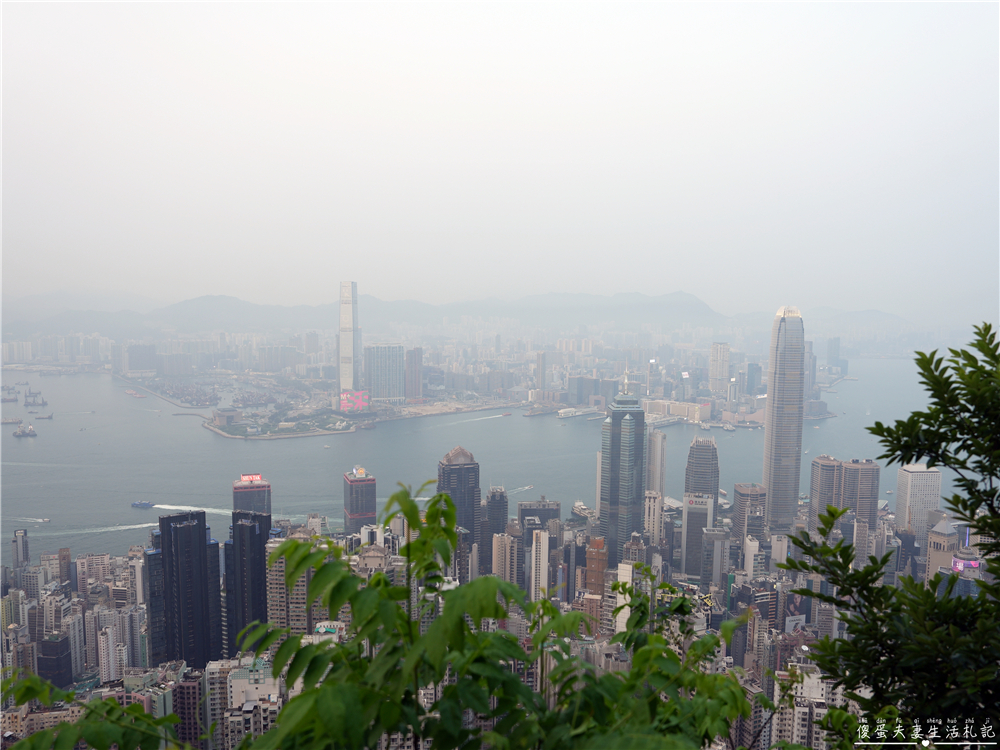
(574, 314)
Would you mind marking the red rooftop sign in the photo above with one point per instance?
(250, 478)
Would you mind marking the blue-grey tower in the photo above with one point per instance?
(623, 473)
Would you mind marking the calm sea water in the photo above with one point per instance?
(105, 449)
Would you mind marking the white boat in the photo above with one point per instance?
(326, 447)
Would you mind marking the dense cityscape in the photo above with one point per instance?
(159, 624)
(500, 376)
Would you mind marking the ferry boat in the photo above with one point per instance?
(723, 493)
(888, 492)
(142, 504)
(506, 414)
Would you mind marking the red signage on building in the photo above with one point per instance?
(250, 478)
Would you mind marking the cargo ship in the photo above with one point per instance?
(22, 432)
(46, 417)
(12, 420)
(143, 504)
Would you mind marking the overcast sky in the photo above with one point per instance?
(752, 155)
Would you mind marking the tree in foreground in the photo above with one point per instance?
(916, 652)
(424, 663)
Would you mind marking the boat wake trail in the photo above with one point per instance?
(475, 419)
(217, 511)
(100, 530)
(520, 489)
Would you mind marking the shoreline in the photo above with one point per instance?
(211, 427)
(354, 428)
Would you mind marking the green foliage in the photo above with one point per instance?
(916, 649)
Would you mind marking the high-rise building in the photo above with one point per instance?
(753, 379)
(539, 565)
(597, 564)
(246, 573)
(718, 368)
(349, 366)
(859, 487)
(497, 510)
(414, 387)
(20, 553)
(154, 592)
(385, 373)
(359, 500)
(192, 599)
(783, 419)
(823, 490)
(850, 484)
(541, 367)
(253, 493)
(653, 517)
(808, 370)
(458, 476)
(505, 557)
(918, 491)
(749, 509)
(701, 475)
(696, 516)
(623, 474)
(656, 462)
(715, 558)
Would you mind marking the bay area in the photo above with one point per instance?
(104, 450)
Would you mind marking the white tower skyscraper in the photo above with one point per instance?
(539, 564)
(918, 490)
(349, 366)
(783, 418)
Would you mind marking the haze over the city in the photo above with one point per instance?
(751, 155)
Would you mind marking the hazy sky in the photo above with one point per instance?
(753, 155)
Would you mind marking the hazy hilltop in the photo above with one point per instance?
(561, 314)
(220, 312)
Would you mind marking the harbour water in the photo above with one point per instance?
(105, 450)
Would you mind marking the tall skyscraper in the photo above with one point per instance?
(718, 368)
(697, 515)
(539, 565)
(715, 558)
(859, 487)
(246, 573)
(653, 517)
(458, 476)
(623, 474)
(415, 373)
(541, 367)
(749, 510)
(701, 475)
(192, 600)
(359, 500)
(656, 462)
(850, 484)
(783, 419)
(497, 511)
(823, 490)
(505, 557)
(349, 366)
(20, 554)
(918, 491)
(385, 373)
(155, 592)
(253, 493)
